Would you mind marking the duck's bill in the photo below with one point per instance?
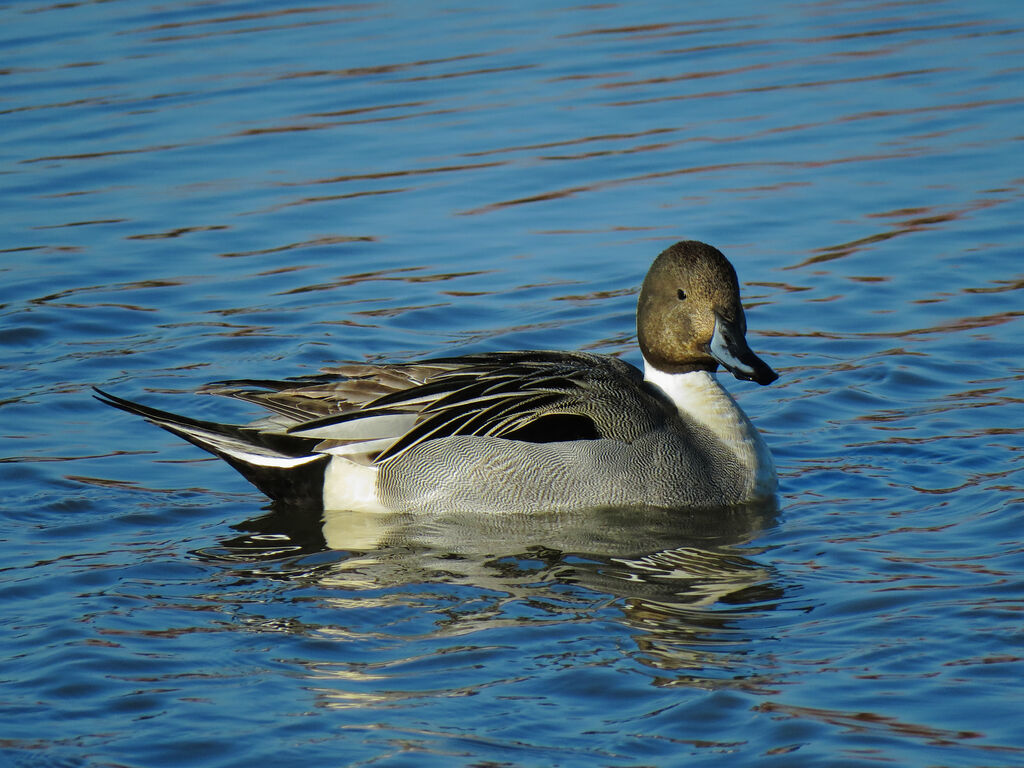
(729, 347)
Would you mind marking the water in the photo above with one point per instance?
(198, 191)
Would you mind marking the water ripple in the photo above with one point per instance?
(210, 191)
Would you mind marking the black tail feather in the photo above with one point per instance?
(276, 467)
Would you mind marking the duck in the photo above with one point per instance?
(518, 431)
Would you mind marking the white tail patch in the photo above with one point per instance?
(351, 486)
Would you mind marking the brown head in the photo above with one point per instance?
(689, 316)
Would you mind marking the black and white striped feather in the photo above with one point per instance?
(372, 414)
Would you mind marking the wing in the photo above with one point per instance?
(374, 413)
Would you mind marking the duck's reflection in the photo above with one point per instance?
(687, 582)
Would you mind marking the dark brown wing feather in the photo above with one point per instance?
(534, 396)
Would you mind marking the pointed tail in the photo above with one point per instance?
(282, 466)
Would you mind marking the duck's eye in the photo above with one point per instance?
(681, 294)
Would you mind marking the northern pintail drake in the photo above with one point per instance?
(519, 431)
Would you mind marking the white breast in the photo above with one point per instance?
(699, 396)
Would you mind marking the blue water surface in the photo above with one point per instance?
(198, 191)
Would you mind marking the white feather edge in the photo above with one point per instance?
(243, 451)
(370, 427)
